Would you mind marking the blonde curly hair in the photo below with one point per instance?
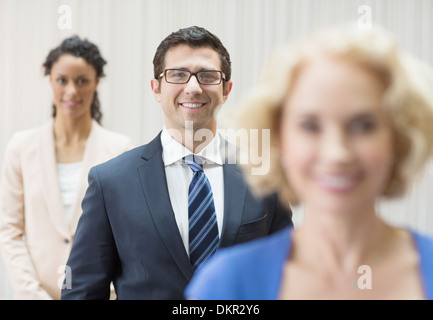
(407, 98)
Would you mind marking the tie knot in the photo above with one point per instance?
(190, 160)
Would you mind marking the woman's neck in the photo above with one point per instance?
(70, 138)
(340, 243)
(71, 131)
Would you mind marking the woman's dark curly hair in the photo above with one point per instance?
(89, 52)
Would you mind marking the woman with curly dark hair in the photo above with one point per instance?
(90, 53)
(44, 174)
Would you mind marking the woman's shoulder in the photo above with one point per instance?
(110, 134)
(250, 269)
(114, 139)
(424, 241)
(28, 136)
(424, 246)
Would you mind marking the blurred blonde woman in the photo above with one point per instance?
(349, 125)
(44, 175)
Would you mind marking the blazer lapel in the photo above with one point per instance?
(154, 184)
(234, 198)
(94, 153)
(51, 189)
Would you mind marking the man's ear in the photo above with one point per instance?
(154, 84)
(226, 89)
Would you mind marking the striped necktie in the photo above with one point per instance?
(203, 228)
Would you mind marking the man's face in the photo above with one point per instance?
(191, 103)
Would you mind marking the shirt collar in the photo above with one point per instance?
(173, 151)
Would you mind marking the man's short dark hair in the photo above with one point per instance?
(194, 37)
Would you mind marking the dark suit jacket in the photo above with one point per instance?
(127, 232)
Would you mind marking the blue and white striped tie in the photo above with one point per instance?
(203, 228)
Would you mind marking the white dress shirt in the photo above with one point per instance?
(179, 176)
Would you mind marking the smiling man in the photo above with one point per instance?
(152, 216)
(187, 99)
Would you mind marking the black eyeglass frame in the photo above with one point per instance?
(222, 78)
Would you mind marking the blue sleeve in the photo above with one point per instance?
(214, 281)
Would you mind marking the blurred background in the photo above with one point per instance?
(128, 32)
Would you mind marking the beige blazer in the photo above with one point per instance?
(35, 236)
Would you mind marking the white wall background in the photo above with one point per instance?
(128, 32)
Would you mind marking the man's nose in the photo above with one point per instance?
(193, 86)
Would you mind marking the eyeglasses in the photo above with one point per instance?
(181, 76)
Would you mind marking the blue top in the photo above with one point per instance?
(253, 270)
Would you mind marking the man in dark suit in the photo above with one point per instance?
(134, 227)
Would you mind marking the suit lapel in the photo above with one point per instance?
(234, 198)
(51, 189)
(154, 184)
